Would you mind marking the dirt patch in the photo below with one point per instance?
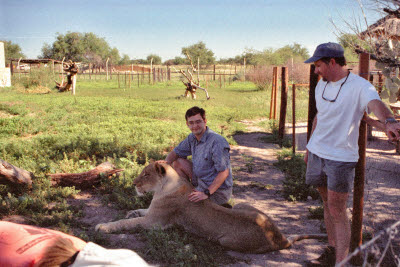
(4, 114)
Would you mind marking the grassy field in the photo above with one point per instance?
(58, 132)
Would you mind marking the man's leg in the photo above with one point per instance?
(337, 204)
(184, 168)
(330, 229)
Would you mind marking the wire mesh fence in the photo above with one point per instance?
(382, 250)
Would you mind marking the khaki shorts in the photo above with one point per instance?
(336, 175)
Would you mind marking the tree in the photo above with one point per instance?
(176, 61)
(156, 59)
(347, 40)
(12, 50)
(81, 47)
(380, 40)
(199, 50)
(270, 56)
(114, 56)
(125, 60)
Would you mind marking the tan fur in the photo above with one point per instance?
(243, 228)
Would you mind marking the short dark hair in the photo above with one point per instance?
(339, 60)
(194, 111)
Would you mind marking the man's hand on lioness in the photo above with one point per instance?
(197, 196)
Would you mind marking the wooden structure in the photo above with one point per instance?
(13, 175)
(192, 86)
(86, 179)
(15, 62)
(71, 69)
(387, 27)
(10, 174)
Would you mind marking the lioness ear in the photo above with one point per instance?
(160, 168)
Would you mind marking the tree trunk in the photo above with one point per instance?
(15, 175)
(85, 179)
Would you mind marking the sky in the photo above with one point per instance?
(162, 27)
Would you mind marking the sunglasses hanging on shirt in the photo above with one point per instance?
(333, 100)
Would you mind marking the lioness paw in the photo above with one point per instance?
(133, 214)
(101, 227)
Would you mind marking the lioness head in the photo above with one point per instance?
(150, 179)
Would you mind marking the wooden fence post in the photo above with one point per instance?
(275, 111)
(380, 82)
(294, 118)
(214, 72)
(282, 115)
(359, 179)
(271, 105)
(119, 85)
(312, 105)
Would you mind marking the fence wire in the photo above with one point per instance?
(374, 254)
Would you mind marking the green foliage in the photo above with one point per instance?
(125, 60)
(12, 50)
(176, 61)
(294, 167)
(174, 246)
(55, 133)
(270, 56)
(199, 50)
(274, 136)
(41, 77)
(156, 59)
(121, 191)
(44, 205)
(316, 213)
(80, 47)
(249, 163)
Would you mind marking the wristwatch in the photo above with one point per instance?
(390, 120)
(207, 192)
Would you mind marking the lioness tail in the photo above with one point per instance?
(294, 238)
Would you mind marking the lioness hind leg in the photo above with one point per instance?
(124, 224)
(245, 206)
(136, 213)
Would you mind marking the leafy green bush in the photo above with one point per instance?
(41, 77)
(274, 136)
(261, 76)
(316, 213)
(294, 185)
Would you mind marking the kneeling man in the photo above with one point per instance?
(210, 169)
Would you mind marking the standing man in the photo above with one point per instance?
(332, 151)
(210, 169)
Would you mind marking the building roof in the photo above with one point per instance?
(388, 27)
(36, 61)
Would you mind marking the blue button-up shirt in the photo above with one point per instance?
(210, 156)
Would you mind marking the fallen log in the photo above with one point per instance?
(87, 179)
(12, 174)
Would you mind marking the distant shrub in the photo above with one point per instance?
(261, 76)
(39, 80)
(298, 72)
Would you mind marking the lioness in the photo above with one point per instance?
(242, 228)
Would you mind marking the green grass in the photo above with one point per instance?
(58, 132)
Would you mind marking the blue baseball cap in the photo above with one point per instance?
(326, 50)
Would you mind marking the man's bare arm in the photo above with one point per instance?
(383, 112)
(171, 157)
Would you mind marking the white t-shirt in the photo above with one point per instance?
(96, 256)
(337, 131)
